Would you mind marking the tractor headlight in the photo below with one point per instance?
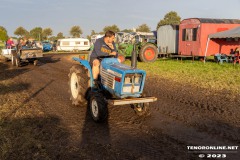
(132, 79)
(132, 83)
(137, 79)
(127, 80)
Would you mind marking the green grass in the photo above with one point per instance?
(209, 75)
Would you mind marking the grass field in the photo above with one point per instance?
(209, 75)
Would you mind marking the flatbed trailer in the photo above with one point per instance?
(26, 54)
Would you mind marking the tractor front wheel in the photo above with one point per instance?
(148, 53)
(98, 107)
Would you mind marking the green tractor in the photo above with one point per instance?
(146, 48)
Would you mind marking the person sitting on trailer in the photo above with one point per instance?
(104, 46)
(10, 43)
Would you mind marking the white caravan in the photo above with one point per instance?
(73, 44)
(95, 37)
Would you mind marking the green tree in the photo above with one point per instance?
(3, 29)
(60, 35)
(47, 32)
(143, 28)
(171, 18)
(89, 36)
(76, 31)
(93, 32)
(113, 28)
(27, 35)
(20, 31)
(36, 33)
(127, 30)
(52, 38)
(3, 34)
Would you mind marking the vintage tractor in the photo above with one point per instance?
(146, 48)
(118, 84)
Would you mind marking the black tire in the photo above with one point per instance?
(98, 107)
(79, 85)
(13, 60)
(148, 53)
(35, 62)
(141, 109)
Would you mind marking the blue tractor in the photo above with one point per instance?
(118, 84)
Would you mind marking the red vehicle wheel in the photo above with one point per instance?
(148, 53)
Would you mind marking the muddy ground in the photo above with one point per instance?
(39, 122)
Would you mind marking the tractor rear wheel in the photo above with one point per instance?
(98, 107)
(79, 85)
(148, 53)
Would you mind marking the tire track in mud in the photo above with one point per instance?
(206, 112)
(53, 101)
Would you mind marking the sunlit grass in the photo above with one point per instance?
(212, 75)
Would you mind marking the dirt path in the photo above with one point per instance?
(183, 115)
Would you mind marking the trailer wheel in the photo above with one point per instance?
(98, 107)
(141, 109)
(148, 53)
(79, 85)
(2, 58)
(35, 62)
(13, 58)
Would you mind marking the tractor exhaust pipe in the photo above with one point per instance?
(134, 57)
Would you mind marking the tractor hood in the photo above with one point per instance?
(114, 65)
(122, 80)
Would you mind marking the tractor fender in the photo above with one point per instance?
(86, 64)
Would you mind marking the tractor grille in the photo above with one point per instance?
(107, 78)
(132, 83)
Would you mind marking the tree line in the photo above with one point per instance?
(40, 33)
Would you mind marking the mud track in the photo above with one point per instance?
(184, 115)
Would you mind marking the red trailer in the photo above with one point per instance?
(194, 32)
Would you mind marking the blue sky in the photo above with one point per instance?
(61, 15)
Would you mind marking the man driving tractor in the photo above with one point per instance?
(104, 46)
